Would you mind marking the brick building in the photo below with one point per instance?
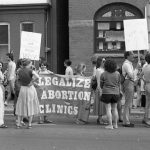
(96, 27)
(75, 29)
(48, 17)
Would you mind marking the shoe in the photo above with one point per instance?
(128, 125)
(115, 126)
(109, 127)
(146, 123)
(22, 123)
(3, 126)
(18, 126)
(6, 103)
(47, 121)
(120, 120)
(101, 121)
(80, 122)
(29, 127)
(40, 122)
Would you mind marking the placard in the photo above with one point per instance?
(136, 34)
(30, 45)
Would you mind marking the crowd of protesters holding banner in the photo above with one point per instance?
(107, 89)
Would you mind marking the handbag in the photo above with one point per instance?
(84, 111)
(94, 83)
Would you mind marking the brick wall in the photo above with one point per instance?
(81, 27)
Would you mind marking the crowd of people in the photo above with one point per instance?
(108, 92)
(110, 89)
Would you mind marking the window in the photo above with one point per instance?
(110, 36)
(27, 26)
(4, 40)
(109, 30)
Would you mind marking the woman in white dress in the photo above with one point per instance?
(2, 91)
(27, 103)
(99, 106)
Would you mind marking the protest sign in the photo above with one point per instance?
(30, 45)
(62, 95)
(136, 34)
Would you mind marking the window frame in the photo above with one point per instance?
(102, 16)
(8, 24)
(27, 22)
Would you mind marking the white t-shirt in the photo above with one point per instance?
(69, 71)
(127, 70)
(11, 74)
(99, 71)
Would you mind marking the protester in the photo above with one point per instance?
(119, 104)
(27, 103)
(93, 83)
(69, 70)
(110, 84)
(17, 90)
(43, 70)
(94, 67)
(2, 97)
(11, 76)
(17, 82)
(145, 75)
(99, 106)
(128, 86)
(80, 69)
(142, 85)
(83, 115)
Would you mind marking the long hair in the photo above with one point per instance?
(80, 69)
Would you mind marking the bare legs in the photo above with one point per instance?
(111, 111)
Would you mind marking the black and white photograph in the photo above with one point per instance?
(74, 74)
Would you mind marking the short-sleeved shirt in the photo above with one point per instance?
(11, 74)
(128, 70)
(69, 71)
(25, 76)
(110, 83)
(146, 71)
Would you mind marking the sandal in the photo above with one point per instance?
(3, 126)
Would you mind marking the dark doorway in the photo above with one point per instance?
(63, 35)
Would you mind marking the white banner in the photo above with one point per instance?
(30, 45)
(136, 34)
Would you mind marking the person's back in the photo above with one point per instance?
(146, 71)
(25, 76)
(112, 82)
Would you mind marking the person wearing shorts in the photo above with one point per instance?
(110, 84)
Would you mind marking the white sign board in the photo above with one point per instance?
(136, 34)
(30, 45)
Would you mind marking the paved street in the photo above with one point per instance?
(63, 134)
